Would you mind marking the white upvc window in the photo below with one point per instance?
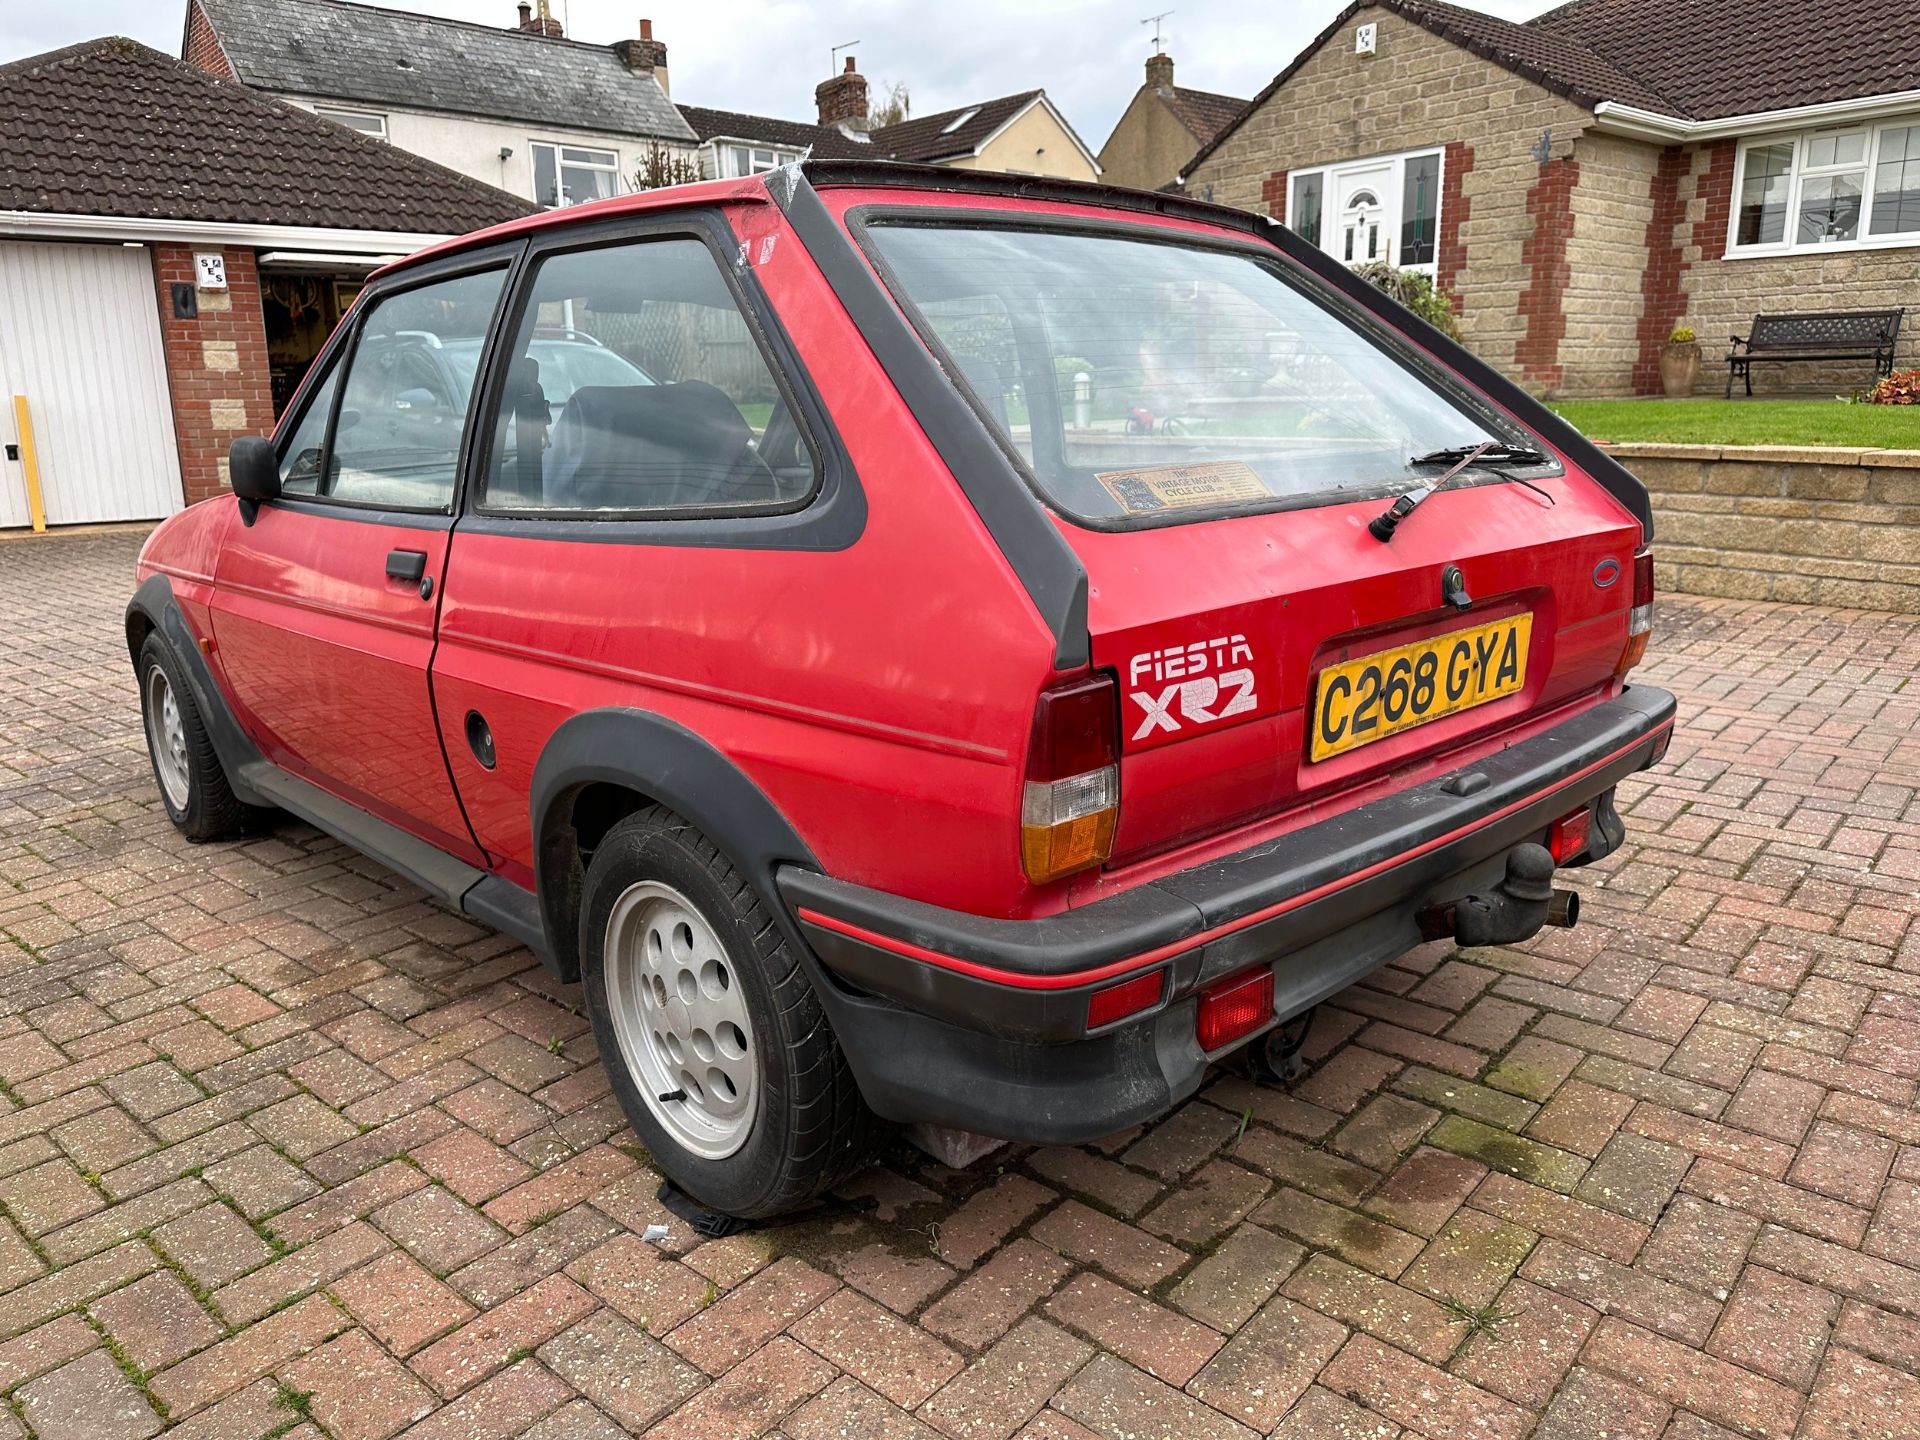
(569, 175)
(1851, 188)
(1383, 209)
(745, 160)
(367, 122)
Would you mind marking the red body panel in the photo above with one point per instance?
(326, 659)
(881, 695)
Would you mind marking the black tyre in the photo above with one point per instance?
(717, 1046)
(192, 785)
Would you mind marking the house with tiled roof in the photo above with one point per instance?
(173, 251)
(1022, 134)
(1588, 180)
(519, 106)
(1162, 128)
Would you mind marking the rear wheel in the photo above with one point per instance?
(193, 787)
(716, 1045)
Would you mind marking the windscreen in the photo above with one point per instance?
(1144, 381)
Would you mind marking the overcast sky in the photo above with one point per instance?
(767, 55)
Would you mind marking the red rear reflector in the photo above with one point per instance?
(1237, 1008)
(1569, 835)
(1129, 997)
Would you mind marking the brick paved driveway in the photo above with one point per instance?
(286, 1149)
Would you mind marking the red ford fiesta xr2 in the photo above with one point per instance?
(913, 643)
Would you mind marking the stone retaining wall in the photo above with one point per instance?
(1818, 527)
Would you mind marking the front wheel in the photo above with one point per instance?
(193, 787)
(713, 1038)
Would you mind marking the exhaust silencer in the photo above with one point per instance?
(1523, 902)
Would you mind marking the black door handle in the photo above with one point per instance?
(407, 565)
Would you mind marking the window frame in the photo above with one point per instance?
(831, 516)
(346, 117)
(344, 347)
(734, 148)
(560, 165)
(1393, 202)
(1799, 172)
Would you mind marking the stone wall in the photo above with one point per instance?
(1606, 264)
(1818, 527)
(1417, 91)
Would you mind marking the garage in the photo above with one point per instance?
(80, 354)
(173, 251)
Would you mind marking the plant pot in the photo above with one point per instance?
(1679, 368)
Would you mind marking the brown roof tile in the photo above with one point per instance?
(960, 131)
(1204, 113)
(111, 127)
(823, 141)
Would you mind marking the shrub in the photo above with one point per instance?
(1682, 335)
(1900, 388)
(1430, 301)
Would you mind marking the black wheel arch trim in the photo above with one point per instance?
(155, 604)
(669, 764)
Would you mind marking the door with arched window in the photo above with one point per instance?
(1363, 231)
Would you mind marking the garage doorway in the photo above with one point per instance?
(80, 338)
(300, 303)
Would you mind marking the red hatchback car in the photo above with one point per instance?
(764, 599)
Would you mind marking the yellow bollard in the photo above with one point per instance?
(29, 465)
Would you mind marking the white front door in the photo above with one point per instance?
(80, 338)
(1360, 214)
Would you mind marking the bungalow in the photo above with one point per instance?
(1587, 181)
(174, 249)
(1161, 128)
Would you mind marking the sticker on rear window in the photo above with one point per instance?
(1184, 487)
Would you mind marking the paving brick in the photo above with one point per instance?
(1616, 1289)
(726, 1332)
(1270, 1362)
(972, 1231)
(903, 1283)
(1402, 1317)
(156, 1321)
(359, 1391)
(632, 1377)
(1363, 1241)
(1207, 1203)
(1413, 1393)
(87, 1399)
(1166, 1345)
(1470, 1260)
(1575, 1221)
(1593, 1406)
(300, 1273)
(1691, 1380)
(847, 1409)
(492, 1340)
(1229, 1285)
(437, 1228)
(1124, 1251)
(260, 1348)
(1118, 1402)
(649, 1288)
(1527, 1344)
(1777, 1326)
(876, 1347)
(400, 1302)
(996, 1395)
(984, 1306)
(754, 1394)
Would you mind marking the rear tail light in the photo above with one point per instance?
(1071, 801)
(1570, 834)
(1129, 997)
(1234, 1009)
(1640, 618)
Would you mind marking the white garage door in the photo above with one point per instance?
(80, 338)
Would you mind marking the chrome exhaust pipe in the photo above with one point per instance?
(1563, 909)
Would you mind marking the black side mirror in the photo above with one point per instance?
(254, 472)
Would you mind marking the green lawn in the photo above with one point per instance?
(1747, 422)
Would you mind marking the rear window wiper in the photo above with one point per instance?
(1460, 458)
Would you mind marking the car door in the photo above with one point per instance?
(326, 603)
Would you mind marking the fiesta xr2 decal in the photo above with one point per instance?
(1190, 685)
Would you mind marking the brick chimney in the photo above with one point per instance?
(1160, 71)
(645, 56)
(541, 24)
(843, 99)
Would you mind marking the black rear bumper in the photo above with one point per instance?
(981, 1023)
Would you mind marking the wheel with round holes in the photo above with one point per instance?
(716, 1045)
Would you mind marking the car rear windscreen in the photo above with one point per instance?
(1143, 381)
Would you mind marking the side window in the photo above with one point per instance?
(635, 384)
(300, 460)
(408, 389)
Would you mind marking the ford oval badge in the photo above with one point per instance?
(1606, 572)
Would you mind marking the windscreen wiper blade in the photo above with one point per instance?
(1461, 458)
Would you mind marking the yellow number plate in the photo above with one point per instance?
(1360, 701)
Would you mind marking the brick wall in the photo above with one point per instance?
(216, 365)
(1606, 260)
(1542, 301)
(1417, 91)
(1273, 194)
(202, 48)
(1817, 527)
(1662, 302)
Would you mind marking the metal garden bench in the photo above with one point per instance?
(1816, 335)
